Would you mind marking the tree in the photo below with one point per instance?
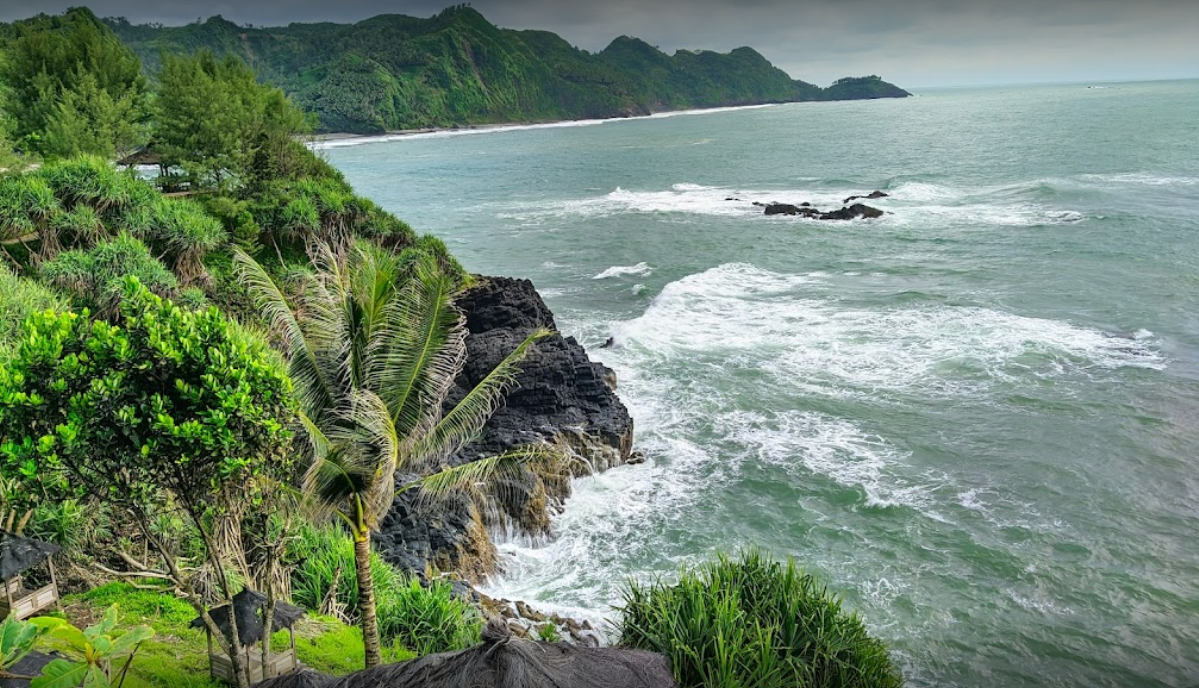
(70, 75)
(373, 360)
(167, 410)
(90, 120)
(214, 117)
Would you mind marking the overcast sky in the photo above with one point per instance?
(914, 43)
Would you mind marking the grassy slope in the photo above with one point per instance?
(399, 72)
(177, 655)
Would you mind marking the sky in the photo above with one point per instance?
(913, 43)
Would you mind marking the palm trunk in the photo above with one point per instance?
(366, 599)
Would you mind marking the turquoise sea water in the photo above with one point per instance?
(978, 416)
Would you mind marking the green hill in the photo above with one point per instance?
(456, 68)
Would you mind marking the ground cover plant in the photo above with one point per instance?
(753, 622)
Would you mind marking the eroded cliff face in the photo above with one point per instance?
(561, 396)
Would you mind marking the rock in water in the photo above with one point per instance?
(788, 209)
(854, 211)
(561, 396)
(872, 195)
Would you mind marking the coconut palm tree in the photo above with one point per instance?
(374, 344)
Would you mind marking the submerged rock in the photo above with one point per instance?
(854, 211)
(561, 396)
(870, 196)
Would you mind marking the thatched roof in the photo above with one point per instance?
(503, 661)
(141, 156)
(30, 665)
(18, 554)
(249, 607)
(304, 678)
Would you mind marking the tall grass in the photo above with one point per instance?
(754, 622)
(420, 618)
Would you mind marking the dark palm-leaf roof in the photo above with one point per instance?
(250, 608)
(304, 678)
(18, 554)
(502, 661)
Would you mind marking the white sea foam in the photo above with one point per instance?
(1141, 178)
(618, 270)
(700, 435)
(917, 204)
(471, 131)
(832, 447)
(599, 530)
(448, 133)
(791, 326)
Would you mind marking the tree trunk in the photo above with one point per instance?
(366, 600)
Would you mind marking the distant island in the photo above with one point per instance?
(394, 72)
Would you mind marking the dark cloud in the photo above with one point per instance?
(914, 43)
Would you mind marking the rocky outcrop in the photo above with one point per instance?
(854, 211)
(870, 196)
(788, 209)
(857, 210)
(561, 396)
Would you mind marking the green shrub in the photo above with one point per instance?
(18, 298)
(96, 276)
(754, 622)
(413, 617)
(427, 619)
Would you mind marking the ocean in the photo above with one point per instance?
(977, 417)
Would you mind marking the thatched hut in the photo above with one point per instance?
(18, 555)
(503, 661)
(249, 608)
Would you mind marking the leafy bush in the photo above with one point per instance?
(753, 621)
(18, 298)
(96, 275)
(415, 617)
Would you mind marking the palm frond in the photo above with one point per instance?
(327, 328)
(316, 437)
(464, 422)
(308, 376)
(472, 476)
(378, 447)
(424, 353)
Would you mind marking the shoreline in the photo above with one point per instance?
(346, 139)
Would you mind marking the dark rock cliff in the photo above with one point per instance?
(561, 396)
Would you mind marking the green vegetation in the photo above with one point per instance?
(753, 621)
(145, 422)
(73, 87)
(98, 656)
(169, 411)
(17, 639)
(213, 118)
(177, 655)
(373, 363)
(18, 299)
(456, 68)
(414, 618)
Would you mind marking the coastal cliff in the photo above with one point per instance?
(561, 396)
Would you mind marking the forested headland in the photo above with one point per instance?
(395, 72)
